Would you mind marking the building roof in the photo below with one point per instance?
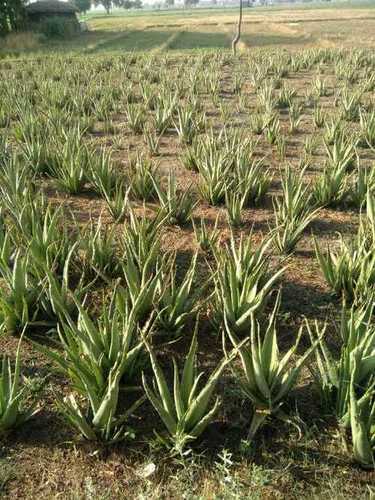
(51, 7)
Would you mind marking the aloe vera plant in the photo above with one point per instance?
(367, 124)
(293, 212)
(185, 410)
(152, 140)
(363, 185)
(319, 117)
(256, 123)
(285, 99)
(288, 233)
(266, 97)
(191, 155)
(5, 154)
(214, 174)
(70, 164)
(101, 423)
(185, 124)
(117, 201)
(350, 104)
(296, 199)
(35, 146)
(320, 87)
(342, 154)
(295, 117)
(45, 235)
(207, 240)
(143, 177)
(98, 245)
(57, 296)
(362, 423)
(367, 226)
(350, 269)
(7, 247)
(136, 118)
(95, 359)
(142, 263)
(176, 206)
(242, 283)
(12, 395)
(142, 237)
(142, 282)
(178, 301)
(330, 188)
(252, 181)
(102, 173)
(266, 378)
(234, 203)
(16, 186)
(335, 130)
(164, 108)
(19, 304)
(354, 364)
(273, 130)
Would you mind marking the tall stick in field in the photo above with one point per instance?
(236, 39)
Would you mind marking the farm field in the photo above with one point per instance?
(329, 27)
(166, 211)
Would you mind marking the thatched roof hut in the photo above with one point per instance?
(40, 11)
(51, 8)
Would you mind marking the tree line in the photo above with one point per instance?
(85, 5)
(12, 12)
(11, 15)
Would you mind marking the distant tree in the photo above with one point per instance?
(125, 4)
(83, 5)
(169, 3)
(12, 15)
(131, 4)
(4, 24)
(190, 3)
(108, 4)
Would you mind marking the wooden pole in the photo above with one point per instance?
(237, 37)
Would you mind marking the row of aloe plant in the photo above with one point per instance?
(99, 359)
